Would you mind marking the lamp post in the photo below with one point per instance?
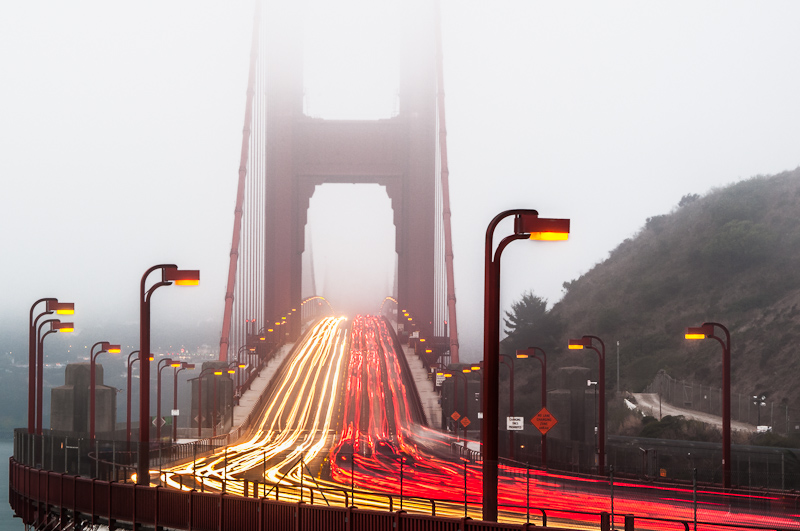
(707, 331)
(239, 357)
(131, 361)
(51, 305)
(200, 417)
(531, 352)
(508, 361)
(55, 326)
(450, 374)
(105, 346)
(584, 343)
(527, 225)
(214, 411)
(169, 274)
(759, 401)
(178, 369)
(590, 383)
(167, 362)
(477, 367)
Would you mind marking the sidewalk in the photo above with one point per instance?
(425, 387)
(251, 396)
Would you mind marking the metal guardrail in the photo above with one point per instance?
(43, 498)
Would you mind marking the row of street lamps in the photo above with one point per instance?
(528, 225)
(36, 354)
(169, 274)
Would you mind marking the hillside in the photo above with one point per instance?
(730, 256)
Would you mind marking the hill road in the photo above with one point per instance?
(648, 403)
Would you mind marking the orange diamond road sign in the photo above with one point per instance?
(455, 415)
(465, 422)
(544, 421)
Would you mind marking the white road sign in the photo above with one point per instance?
(515, 423)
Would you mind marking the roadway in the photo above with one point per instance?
(343, 418)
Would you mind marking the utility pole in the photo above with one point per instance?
(617, 366)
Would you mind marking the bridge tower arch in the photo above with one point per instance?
(398, 153)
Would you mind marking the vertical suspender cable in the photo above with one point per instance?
(237, 219)
(448, 239)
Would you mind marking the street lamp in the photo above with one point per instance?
(169, 274)
(105, 346)
(531, 352)
(450, 374)
(587, 342)
(200, 417)
(218, 372)
(55, 326)
(508, 361)
(167, 362)
(527, 225)
(759, 401)
(590, 383)
(131, 361)
(707, 331)
(51, 305)
(178, 369)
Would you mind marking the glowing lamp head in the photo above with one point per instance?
(439, 374)
(150, 357)
(231, 371)
(242, 366)
(217, 373)
(579, 344)
(542, 229)
(422, 340)
(61, 308)
(428, 351)
(525, 353)
(549, 236)
(448, 375)
(699, 332)
(62, 327)
(475, 367)
(466, 370)
(175, 364)
(269, 329)
(105, 346)
(182, 277)
(114, 349)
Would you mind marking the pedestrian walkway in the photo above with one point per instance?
(250, 397)
(431, 404)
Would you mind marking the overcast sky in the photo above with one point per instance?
(120, 131)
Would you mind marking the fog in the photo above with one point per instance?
(121, 123)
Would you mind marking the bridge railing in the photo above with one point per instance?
(43, 498)
(107, 459)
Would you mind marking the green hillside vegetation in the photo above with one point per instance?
(731, 256)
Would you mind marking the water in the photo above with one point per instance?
(7, 520)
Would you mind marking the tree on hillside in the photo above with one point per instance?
(530, 324)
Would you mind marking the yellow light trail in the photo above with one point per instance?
(295, 423)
